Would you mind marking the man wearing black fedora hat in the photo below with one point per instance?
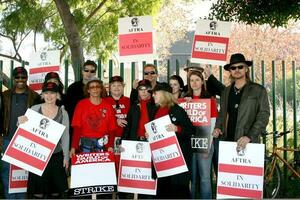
(245, 109)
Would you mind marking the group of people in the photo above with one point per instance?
(98, 121)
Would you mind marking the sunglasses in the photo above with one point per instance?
(91, 71)
(148, 73)
(143, 88)
(94, 87)
(234, 68)
(20, 77)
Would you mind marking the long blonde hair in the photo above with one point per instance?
(247, 75)
(167, 99)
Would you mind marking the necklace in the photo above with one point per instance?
(236, 90)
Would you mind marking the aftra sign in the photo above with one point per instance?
(135, 37)
(211, 42)
(240, 174)
(34, 142)
(40, 64)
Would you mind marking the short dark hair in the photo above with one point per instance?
(90, 62)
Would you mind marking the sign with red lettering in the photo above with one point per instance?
(199, 112)
(18, 179)
(135, 38)
(34, 142)
(135, 174)
(167, 156)
(240, 173)
(211, 42)
(40, 64)
(93, 173)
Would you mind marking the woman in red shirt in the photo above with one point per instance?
(93, 122)
(201, 162)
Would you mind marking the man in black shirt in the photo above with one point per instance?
(245, 109)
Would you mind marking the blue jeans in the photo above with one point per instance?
(201, 165)
(5, 176)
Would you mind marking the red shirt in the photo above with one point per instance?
(94, 121)
(121, 108)
(213, 106)
(144, 118)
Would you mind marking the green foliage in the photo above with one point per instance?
(276, 12)
(98, 30)
(289, 88)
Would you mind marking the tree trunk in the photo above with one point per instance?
(73, 36)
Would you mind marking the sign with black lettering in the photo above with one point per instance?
(167, 156)
(89, 190)
(41, 63)
(34, 142)
(18, 179)
(199, 112)
(93, 173)
(211, 40)
(135, 38)
(135, 173)
(240, 173)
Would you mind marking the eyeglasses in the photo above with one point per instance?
(91, 71)
(20, 77)
(234, 67)
(94, 87)
(148, 73)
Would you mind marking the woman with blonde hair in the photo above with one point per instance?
(176, 186)
(53, 183)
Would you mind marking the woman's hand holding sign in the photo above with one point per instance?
(22, 119)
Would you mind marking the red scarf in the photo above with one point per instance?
(144, 118)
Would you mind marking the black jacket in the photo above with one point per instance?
(32, 99)
(180, 118)
(133, 117)
(74, 94)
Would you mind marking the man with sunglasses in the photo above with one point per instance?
(245, 109)
(15, 103)
(75, 91)
(149, 73)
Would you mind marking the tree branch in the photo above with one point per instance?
(95, 10)
(14, 58)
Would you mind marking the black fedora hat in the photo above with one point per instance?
(237, 58)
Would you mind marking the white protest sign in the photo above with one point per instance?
(135, 173)
(93, 173)
(135, 38)
(34, 142)
(211, 42)
(240, 174)
(40, 64)
(167, 156)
